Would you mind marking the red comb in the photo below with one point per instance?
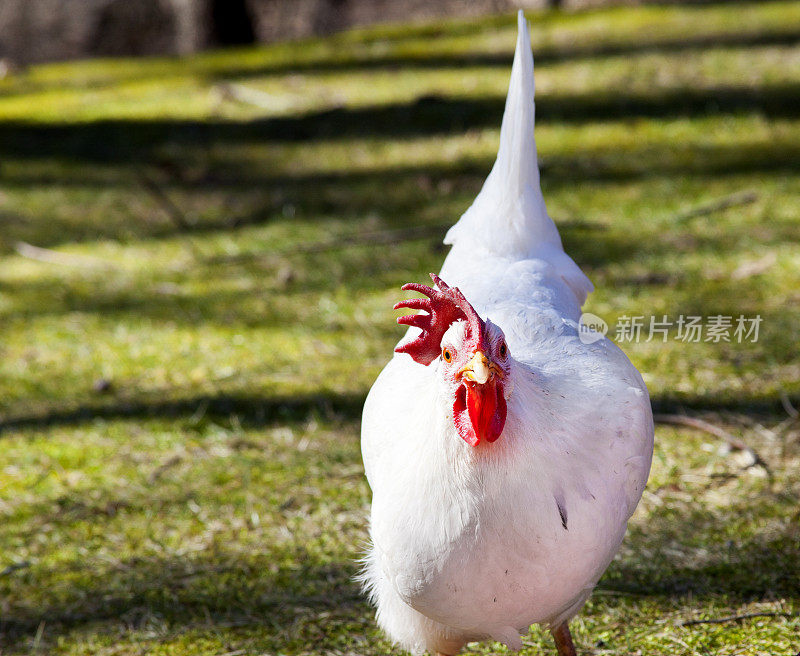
(443, 306)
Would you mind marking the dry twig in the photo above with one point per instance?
(732, 618)
(14, 567)
(249, 96)
(707, 427)
(724, 203)
(754, 267)
(786, 402)
(169, 207)
(55, 257)
(163, 467)
(174, 212)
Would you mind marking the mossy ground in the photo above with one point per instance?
(180, 390)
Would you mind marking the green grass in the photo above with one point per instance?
(179, 405)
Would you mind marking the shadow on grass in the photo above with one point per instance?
(594, 164)
(127, 141)
(331, 263)
(399, 195)
(541, 55)
(250, 410)
(204, 593)
(256, 411)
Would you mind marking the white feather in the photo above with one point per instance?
(473, 543)
(509, 217)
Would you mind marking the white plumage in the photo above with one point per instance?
(479, 542)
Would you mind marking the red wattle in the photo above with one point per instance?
(479, 412)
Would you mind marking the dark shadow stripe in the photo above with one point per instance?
(131, 141)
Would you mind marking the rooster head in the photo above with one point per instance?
(473, 355)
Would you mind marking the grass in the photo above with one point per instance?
(179, 405)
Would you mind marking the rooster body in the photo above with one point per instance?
(479, 540)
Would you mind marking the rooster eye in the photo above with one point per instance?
(503, 350)
(447, 355)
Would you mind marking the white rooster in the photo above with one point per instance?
(505, 456)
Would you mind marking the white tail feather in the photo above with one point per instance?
(509, 216)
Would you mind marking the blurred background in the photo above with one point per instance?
(66, 29)
(206, 211)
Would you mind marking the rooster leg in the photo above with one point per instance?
(563, 639)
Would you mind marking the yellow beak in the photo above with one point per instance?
(479, 369)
